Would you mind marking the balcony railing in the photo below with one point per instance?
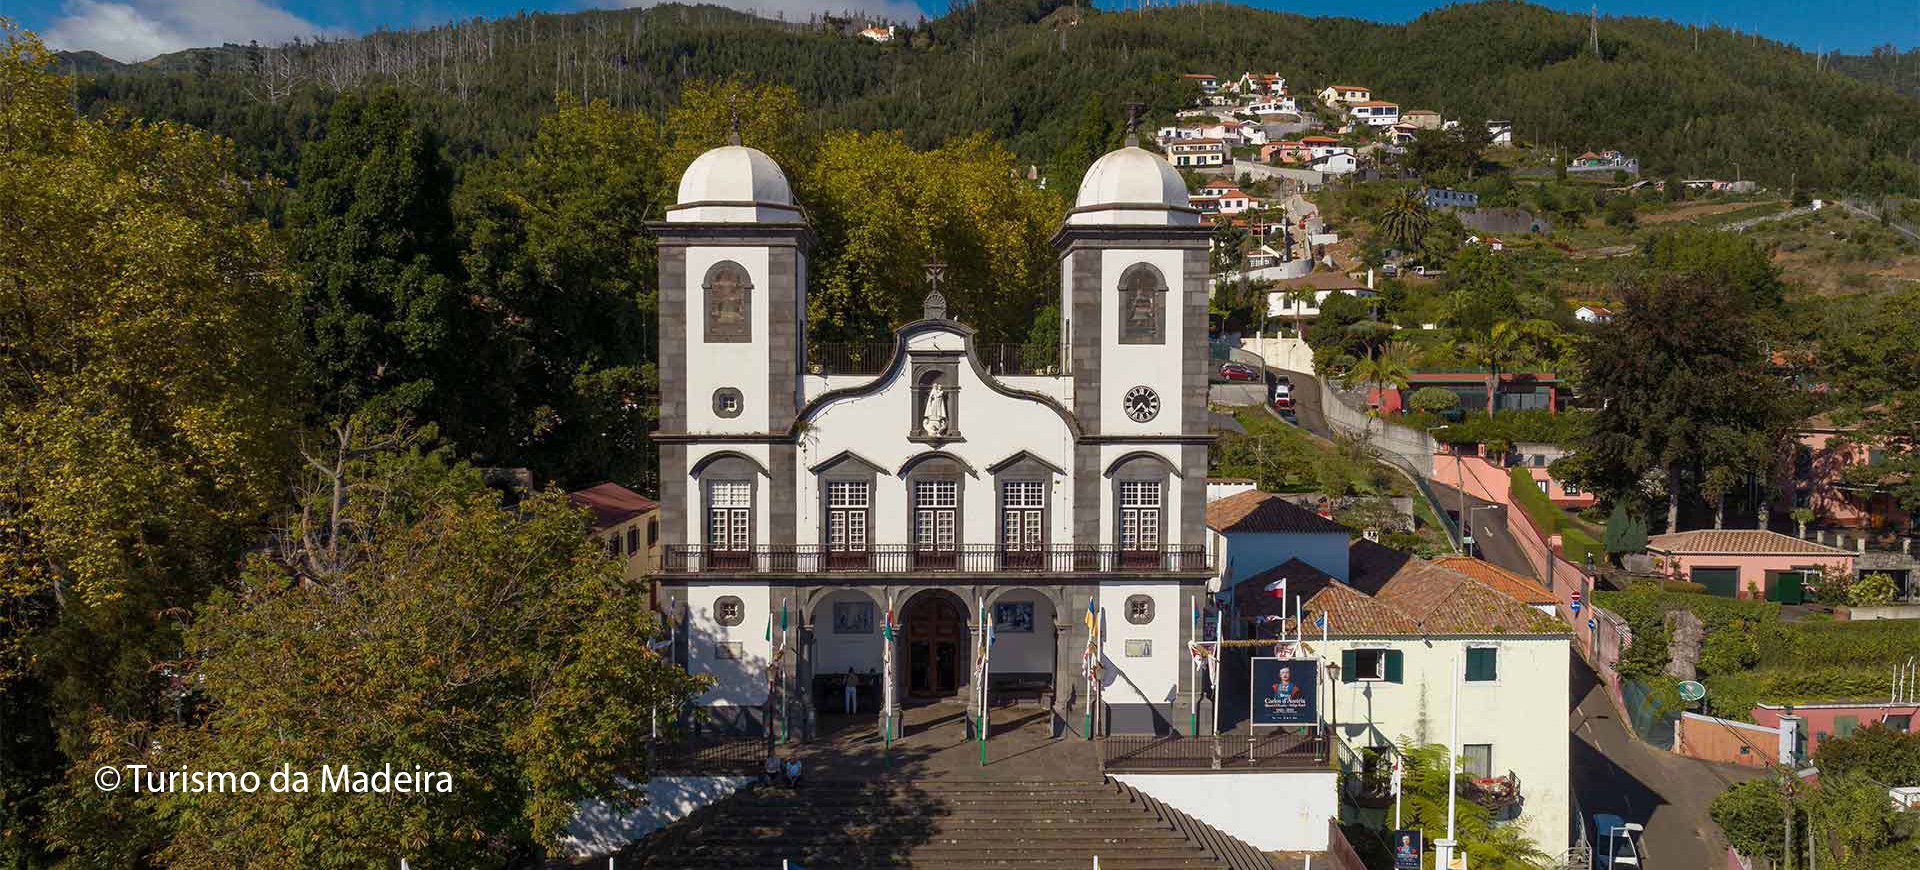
(872, 358)
(1265, 750)
(907, 559)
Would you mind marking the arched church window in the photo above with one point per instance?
(1143, 305)
(729, 298)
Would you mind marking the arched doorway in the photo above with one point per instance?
(936, 644)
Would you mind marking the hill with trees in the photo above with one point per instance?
(1684, 99)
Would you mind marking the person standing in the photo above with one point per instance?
(851, 695)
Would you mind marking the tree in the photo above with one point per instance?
(145, 396)
(884, 210)
(1620, 211)
(1403, 221)
(448, 633)
(1626, 531)
(1392, 366)
(562, 271)
(1683, 388)
(1873, 369)
(1092, 136)
(766, 115)
(1424, 788)
(1434, 400)
(372, 236)
(1505, 344)
(1878, 751)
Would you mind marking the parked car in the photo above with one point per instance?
(1616, 842)
(1283, 395)
(1234, 371)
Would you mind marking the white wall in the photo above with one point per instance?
(1292, 354)
(599, 828)
(740, 365)
(1025, 651)
(1272, 812)
(876, 426)
(1125, 366)
(1520, 714)
(737, 682)
(1152, 680)
(834, 653)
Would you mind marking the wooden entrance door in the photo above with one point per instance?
(936, 629)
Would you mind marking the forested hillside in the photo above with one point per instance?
(1684, 99)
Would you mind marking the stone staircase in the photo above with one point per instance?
(934, 824)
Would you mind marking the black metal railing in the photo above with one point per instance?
(871, 358)
(908, 559)
(1265, 750)
(710, 754)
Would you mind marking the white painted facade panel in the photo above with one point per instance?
(742, 365)
(1518, 715)
(834, 652)
(737, 682)
(1125, 366)
(1153, 679)
(1025, 651)
(1273, 812)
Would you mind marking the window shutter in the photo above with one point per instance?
(1348, 664)
(1395, 666)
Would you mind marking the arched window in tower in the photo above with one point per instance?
(1143, 305)
(729, 298)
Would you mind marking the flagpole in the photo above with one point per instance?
(986, 689)
(786, 732)
(1193, 717)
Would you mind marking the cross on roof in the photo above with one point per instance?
(1133, 120)
(936, 304)
(733, 118)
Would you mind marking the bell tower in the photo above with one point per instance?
(1133, 261)
(733, 302)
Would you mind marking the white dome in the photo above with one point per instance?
(1132, 186)
(734, 184)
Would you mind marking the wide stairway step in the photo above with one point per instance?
(935, 824)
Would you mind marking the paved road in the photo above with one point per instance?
(1615, 773)
(1492, 540)
(1306, 401)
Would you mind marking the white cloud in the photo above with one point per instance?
(135, 30)
(904, 11)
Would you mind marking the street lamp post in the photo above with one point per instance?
(1470, 512)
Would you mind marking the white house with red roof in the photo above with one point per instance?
(878, 33)
(1195, 153)
(1336, 94)
(1374, 113)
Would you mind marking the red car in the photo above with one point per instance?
(1234, 371)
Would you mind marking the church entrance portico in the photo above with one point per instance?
(936, 645)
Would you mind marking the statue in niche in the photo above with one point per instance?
(934, 420)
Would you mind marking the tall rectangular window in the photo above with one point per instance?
(935, 505)
(848, 503)
(1139, 515)
(1023, 511)
(1478, 760)
(729, 515)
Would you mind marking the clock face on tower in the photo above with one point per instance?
(1141, 404)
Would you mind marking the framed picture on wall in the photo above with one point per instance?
(1013, 616)
(853, 617)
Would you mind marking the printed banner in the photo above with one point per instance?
(1283, 691)
(1406, 850)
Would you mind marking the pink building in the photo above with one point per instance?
(1820, 721)
(1817, 480)
(1736, 563)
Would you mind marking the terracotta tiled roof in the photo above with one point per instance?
(1256, 511)
(1375, 104)
(1351, 88)
(1526, 589)
(1390, 592)
(611, 503)
(1745, 541)
(1319, 139)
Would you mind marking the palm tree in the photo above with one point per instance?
(1392, 366)
(1506, 343)
(1404, 220)
(1300, 296)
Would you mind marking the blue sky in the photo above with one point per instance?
(132, 30)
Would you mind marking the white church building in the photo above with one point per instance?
(926, 486)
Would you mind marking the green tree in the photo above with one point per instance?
(145, 398)
(1433, 400)
(372, 237)
(1620, 211)
(1506, 344)
(1424, 789)
(1092, 136)
(884, 210)
(1403, 221)
(1877, 751)
(1392, 367)
(562, 270)
(1626, 531)
(440, 630)
(766, 115)
(1871, 366)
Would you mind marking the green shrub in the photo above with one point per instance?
(1839, 643)
(1433, 400)
(1871, 590)
(1749, 815)
(1730, 648)
(1576, 544)
(1686, 586)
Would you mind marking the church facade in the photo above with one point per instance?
(807, 503)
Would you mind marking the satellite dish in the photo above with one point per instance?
(1691, 691)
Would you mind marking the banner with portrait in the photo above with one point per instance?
(1284, 691)
(1406, 850)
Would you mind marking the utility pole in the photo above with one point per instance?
(1443, 849)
